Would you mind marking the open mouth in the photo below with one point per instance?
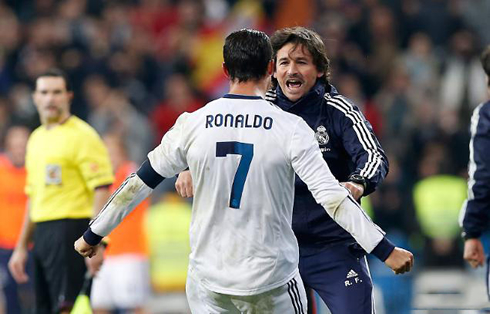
(294, 83)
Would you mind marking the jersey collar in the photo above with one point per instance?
(236, 96)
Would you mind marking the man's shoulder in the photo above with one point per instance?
(81, 128)
(485, 107)
(481, 114)
(341, 103)
(37, 131)
(342, 109)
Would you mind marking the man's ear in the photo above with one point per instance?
(225, 70)
(271, 67)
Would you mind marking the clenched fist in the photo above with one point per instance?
(85, 249)
(400, 261)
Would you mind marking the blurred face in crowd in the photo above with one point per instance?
(52, 99)
(295, 71)
(15, 144)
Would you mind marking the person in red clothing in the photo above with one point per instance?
(179, 98)
(12, 210)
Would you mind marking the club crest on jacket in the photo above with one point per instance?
(321, 135)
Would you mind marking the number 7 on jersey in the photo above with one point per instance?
(247, 152)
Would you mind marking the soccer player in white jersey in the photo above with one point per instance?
(243, 153)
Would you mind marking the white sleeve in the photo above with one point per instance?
(309, 165)
(169, 157)
(131, 192)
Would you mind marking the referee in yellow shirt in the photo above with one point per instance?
(68, 175)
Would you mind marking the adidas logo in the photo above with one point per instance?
(351, 274)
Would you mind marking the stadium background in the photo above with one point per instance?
(411, 65)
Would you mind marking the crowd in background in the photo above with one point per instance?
(412, 66)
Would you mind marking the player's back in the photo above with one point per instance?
(238, 151)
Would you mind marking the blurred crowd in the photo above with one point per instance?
(412, 66)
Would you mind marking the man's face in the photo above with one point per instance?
(295, 71)
(52, 99)
(15, 144)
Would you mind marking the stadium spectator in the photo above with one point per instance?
(179, 98)
(111, 112)
(167, 227)
(475, 215)
(237, 264)
(437, 198)
(462, 81)
(68, 178)
(13, 203)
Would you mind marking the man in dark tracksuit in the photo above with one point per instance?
(331, 262)
(476, 210)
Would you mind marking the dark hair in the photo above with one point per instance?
(55, 72)
(485, 62)
(307, 38)
(247, 53)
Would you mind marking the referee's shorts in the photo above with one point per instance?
(58, 269)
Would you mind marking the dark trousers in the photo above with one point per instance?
(340, 275)
(18, 298)
(58, 269)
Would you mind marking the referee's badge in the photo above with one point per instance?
(53, 174)
(321, 135)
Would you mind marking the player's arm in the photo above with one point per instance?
(132, 191)
(18, 260)
(166, 160)
(476, 210)
(308, 163)
(363, 147)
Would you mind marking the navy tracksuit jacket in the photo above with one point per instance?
(342, 132)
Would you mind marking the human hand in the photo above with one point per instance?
(183, 185)
(17, 265)
(85, 249)
(473, 252)
(94, 263)
(356, 189)
(400, 261)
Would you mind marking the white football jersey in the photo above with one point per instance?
(243, 153)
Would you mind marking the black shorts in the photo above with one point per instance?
(58, 269)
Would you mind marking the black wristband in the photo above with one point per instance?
(357, 178)
(91, 238)
(470, 235)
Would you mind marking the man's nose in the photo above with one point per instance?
(292, 69)
(50, 98)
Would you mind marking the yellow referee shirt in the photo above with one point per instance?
(64, 165)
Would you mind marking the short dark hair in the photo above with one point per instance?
(246, 54)
(55, 72)
(307, 38)
(485, 61)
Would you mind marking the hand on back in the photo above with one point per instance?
(183, 185)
